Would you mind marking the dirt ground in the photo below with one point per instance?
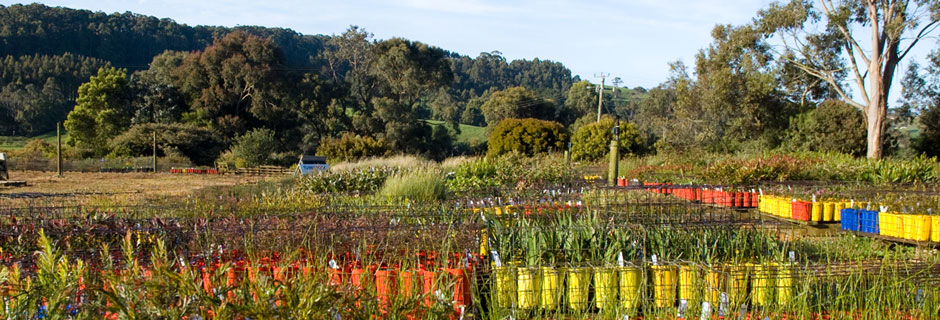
(160, 184)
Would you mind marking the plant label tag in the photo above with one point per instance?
(496, 261)
(333, 264)
(683, 305)
(852, 203)
(620, 259)
(723, 307)
(462, 311)
(655, 262)
(743, 313)
(626, 317)
(919, 297)
(761, 191)
(706, 311)
(814, 198)
(884, 208)
(792, 256)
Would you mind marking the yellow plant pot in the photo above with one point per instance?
(917, 227)
(551, 288)
(664, 286)
(716, 283)
(829, 209)
(505, 285)
(884, 224)
(527, 287)
(631, 281)
(935, 228)
(837, 216)
(605, 288)
(737, 283)
(784, 284)
(817, 213)
(763, 284)
(690, 283)
(579, 282)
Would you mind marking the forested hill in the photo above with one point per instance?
(232, 81)
(127, 40)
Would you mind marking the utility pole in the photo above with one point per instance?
(154, 160)
(600, 93)
(58, 148)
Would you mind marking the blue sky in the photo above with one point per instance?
(633, 40)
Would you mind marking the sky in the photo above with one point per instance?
(631, 39)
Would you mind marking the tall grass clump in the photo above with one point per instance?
(400, 162)
(418, 185)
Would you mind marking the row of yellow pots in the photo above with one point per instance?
(821, 211)
(916, 227)
(547, 288)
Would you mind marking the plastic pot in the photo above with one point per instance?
(579, 280)
(605, 288)
(664, 285)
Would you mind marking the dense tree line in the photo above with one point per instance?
(36, 90)
(236, 81)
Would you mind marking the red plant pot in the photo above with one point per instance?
(801, 210)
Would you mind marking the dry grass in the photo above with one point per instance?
(404, 162)
(161, 184)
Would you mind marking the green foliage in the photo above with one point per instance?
(418, 185)
(489, 174)
(357, 180)
(582, 100)
(519, 103)
(592, 141)
(232, 82)
(36, 91)
(351, 147)
(202, 146)
(834, 126)
(929, 141)
(526, 136)
(255, 148)
(101, 112)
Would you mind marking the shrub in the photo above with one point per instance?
(834, 126)
(526, 136)
(419, 185)
(202, 146)
(592, 141)
(254, 148)
(358, 180)
(351, 147)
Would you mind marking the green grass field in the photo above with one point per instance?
(16, 142)
(467, 132)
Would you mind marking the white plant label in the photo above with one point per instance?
(332, 264)
(706, 311)
(626, 317)
(761, 191)
(722, 309)
(683, 305)
(814, 198)
(655, 262)
(884, 208)
(743, 313)
(620, 259)
(792, 256)
(496, 261)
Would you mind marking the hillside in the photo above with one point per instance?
(215, 84)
